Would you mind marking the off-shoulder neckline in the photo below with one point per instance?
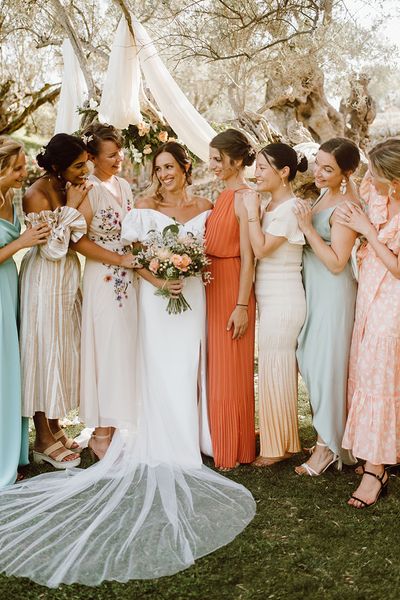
(172, 218)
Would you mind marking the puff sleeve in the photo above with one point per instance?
(66, 224)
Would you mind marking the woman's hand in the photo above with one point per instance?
(352, 216)
(128, 261)
(77, 193)
(303, 212)
(239, 319)
(173, 286)
(252, 201)
(34, 236)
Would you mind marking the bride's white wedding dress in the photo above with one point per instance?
(150, 507)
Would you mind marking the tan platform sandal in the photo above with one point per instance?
(58, 462)
(68, 443)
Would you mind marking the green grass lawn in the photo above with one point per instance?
(304, 543)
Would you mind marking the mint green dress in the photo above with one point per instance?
(324, 341)
(13, 429)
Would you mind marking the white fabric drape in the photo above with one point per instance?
(119, 104)
(192, 129)
(73, 94)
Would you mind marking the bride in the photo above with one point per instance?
(150, 507)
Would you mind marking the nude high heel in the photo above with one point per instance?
(312, 472)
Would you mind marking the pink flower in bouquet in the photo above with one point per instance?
(147, 149)
(154, 265)
(163, 136)
(181, 262)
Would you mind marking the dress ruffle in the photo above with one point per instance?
(66, 224)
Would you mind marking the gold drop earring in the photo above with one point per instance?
(343, 186)
(283, 183)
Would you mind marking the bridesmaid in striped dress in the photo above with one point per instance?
(230, 307)
(51, 299)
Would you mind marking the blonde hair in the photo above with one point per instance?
(9, 151)
(385, 158)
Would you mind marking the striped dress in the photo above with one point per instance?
(51, 316)
(230, 363)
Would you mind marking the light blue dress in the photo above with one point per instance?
(324, 342)
(13, 430)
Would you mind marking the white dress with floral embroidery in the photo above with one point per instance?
(108, 319)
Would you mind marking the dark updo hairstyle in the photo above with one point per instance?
(282, 156)
(346, 153)
(181, 156)
(234, 143)
(101, 132)
(60, 153)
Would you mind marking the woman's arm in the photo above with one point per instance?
(263, 244)
(334, 256)
(355, 219)
(31, 237)
(239, 317)
(94, 251)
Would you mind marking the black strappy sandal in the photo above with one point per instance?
(382, 491)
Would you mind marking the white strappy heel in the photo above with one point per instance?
(312, 472)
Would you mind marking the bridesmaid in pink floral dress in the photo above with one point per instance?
(373, 425)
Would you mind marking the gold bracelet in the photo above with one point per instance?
(253, 219)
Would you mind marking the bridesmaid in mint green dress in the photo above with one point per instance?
(13, 429)
(330, 286)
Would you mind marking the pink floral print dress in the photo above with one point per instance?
(373, 425)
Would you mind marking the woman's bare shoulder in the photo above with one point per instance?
(146, 202)
(37, 197)
(203, 203)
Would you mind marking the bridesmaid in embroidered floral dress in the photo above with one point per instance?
(51, 299)
(109, 295)
(230, 307)
(373, 424)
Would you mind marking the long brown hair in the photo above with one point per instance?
(181, 156)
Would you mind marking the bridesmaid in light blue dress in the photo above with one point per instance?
(330, 286)
(13, 429)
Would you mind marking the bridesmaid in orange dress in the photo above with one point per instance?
(373, 424)
(230, 307)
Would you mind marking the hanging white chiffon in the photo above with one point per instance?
(73, 93)
(150, 507)
(119, 105)
(192, 129)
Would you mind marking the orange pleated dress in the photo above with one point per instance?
(230, 363)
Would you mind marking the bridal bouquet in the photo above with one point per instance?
(172, 255)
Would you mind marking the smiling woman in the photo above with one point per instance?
(109, 299)
(51, 299)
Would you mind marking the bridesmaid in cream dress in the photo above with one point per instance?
(277, 243)
(109, 295)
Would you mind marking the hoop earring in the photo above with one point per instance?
(343, 186)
